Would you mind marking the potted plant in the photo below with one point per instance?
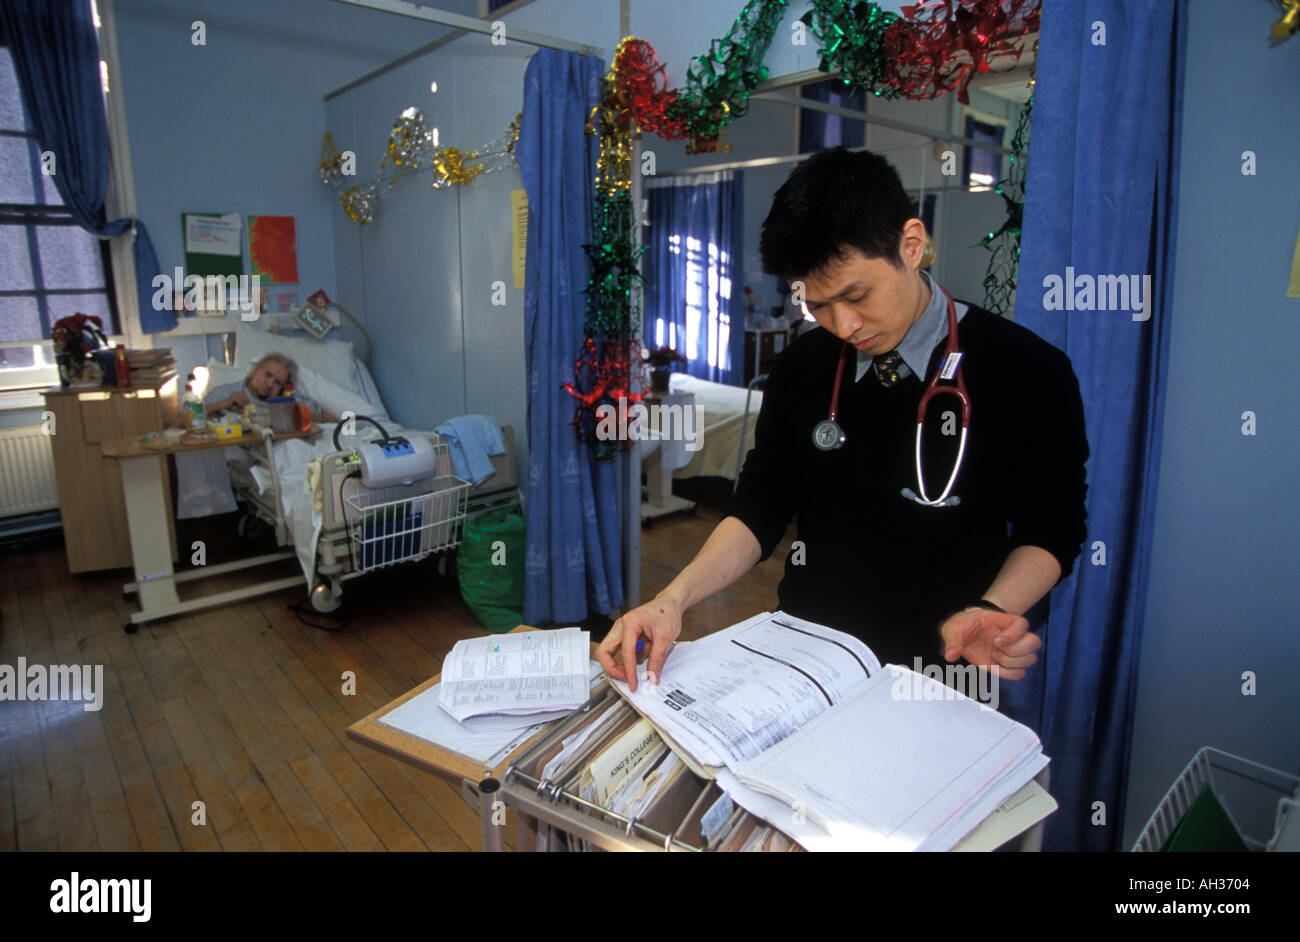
(76, 337)
(661, 363)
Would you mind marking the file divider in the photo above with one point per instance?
(671, 822)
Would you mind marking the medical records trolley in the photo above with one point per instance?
(553, 815)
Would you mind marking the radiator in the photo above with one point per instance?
(26, 472)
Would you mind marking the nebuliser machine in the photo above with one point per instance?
(392, 459)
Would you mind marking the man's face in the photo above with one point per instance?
(268, 380)
(867, 301)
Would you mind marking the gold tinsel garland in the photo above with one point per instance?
(412, 148)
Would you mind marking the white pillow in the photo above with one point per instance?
(219, 374)
(332, 358)
(337, 399)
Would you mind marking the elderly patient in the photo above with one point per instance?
(203, 484)
(266, 379)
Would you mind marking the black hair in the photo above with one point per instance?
(834, 201)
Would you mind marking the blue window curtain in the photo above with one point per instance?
(1101, 199)
(574, 555)
(56, 57)
(692, 267)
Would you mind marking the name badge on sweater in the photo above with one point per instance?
(950, 365)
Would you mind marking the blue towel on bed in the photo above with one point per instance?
(471, 439)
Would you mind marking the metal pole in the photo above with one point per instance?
(465, 24)
(489, 805)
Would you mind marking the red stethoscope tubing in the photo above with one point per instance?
(835, 392)
(932, 389)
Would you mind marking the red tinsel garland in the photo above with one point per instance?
(641, 91)
(940, 45)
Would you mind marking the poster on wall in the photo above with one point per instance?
(213, 244)
(273, 249)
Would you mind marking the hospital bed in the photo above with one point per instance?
(333, 500)
(728, 415)
(368, 527)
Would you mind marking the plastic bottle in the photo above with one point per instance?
(122, 366)
(192, 411)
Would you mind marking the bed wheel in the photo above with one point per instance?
(442, 564)
(323, 599)
(251, 527)
(130, 627)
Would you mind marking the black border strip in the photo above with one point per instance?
(829, 702)
(830, 640)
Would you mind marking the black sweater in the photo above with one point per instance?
(885, 568)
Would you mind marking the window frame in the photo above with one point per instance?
(967, 114)
(24, 216)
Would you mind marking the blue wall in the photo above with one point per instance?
(235, 125)
(1225, 559)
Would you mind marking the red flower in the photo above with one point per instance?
(663, 357)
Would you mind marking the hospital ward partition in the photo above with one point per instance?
(553, 815)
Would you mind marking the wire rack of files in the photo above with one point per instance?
(778, 734)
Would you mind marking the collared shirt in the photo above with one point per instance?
(930, 330)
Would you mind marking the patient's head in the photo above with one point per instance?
(269, 374)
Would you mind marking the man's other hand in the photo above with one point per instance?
(659, 622)
(990, 639)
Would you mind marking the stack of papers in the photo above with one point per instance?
(423, 718)
(516, 680)
(801, 725)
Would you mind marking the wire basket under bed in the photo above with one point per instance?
(1248, 792)
(400, 523)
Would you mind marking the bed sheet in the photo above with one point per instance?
(723, 408)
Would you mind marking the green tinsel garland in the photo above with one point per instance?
(718, 84)
(1004, 244)
(613, 306)
(852, 34)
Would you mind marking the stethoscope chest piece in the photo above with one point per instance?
(828, 436)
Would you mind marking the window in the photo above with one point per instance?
(983, 167)
(49, 266)
(819, 129)
(487, 7)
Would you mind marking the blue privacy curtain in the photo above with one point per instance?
(574, 557)
(56, 57)
(1101, 199)
(692, 268)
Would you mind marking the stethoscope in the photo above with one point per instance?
(828, 435)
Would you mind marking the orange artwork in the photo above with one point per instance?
(273, 248)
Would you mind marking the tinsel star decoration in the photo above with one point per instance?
(1289, 24)
(412, 148)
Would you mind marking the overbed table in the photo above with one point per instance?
(148, 510)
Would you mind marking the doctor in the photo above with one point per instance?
(913, 567)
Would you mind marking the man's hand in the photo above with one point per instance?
(990, 639)
(659, 621)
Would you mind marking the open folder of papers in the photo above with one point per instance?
(515, 680)
(802, 726)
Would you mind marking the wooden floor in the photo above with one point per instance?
(242, 708)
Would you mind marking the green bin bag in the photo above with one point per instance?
(490, 568)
